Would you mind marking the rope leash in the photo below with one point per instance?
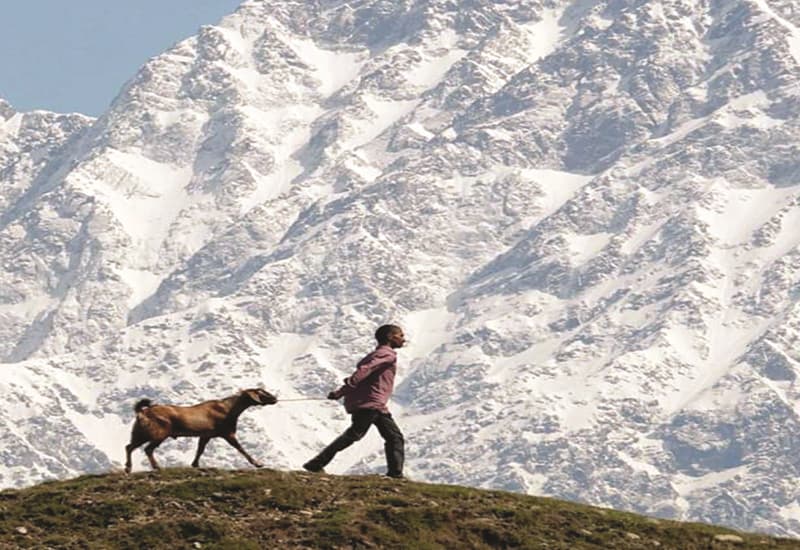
(303, 399)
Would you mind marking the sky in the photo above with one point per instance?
(75, 55)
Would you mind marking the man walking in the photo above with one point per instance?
(366, 393)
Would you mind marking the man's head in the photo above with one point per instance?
(390, 335)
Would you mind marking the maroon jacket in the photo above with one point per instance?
(371, 385)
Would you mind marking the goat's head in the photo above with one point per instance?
(260, 397)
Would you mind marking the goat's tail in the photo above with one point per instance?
(142, 404)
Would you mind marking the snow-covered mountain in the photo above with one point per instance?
(584, 214)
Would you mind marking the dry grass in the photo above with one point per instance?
(182, 508)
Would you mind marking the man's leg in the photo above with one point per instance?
(361, 421)
(394, 444)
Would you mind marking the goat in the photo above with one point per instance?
(216, 418)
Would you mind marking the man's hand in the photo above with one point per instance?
(333, 395)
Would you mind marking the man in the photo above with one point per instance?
(365, 394)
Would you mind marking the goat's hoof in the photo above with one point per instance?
(258, 465)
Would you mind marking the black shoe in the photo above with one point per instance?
(312, 466)
(396, 475)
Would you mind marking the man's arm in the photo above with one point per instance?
(379, 360)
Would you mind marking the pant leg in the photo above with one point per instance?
(394, 444)
(360, 423)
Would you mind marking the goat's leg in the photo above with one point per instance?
(137, 440)
(129, 448)
(231, 438)
(201, 446)
(149, 452)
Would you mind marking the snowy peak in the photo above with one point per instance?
(6, 111)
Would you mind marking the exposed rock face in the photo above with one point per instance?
(584, 214)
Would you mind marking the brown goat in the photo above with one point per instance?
(216, 418)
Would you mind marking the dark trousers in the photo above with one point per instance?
(361, 421)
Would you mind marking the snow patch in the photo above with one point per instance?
(738, 212)
(544, 35)
(558, 186)
(386, 113)
(793, 33)
(425, 330)
(10, 127)
(791, 511)
(746, 110)
(333, 68)
(584, 247)
(420, 130)
(294, 126)
(432, 70)
(686, 485)
(142, 282)
(148, 202)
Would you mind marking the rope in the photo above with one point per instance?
(303, 399)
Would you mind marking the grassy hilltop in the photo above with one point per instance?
(184, 508)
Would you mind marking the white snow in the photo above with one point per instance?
(420, 129)
(742, 210)
(603, 23)
(793, 33)
(357, 164)
(433, 68)
(148, 201)
(30, 307)
(109, 432)
(639, 465)
(558, 186)
(686, 485)
(425, 330)
(165, 119)
(731, 115)
(142, 282)
(334, 68)
(642, 234)
(10, 127)
(753, 119)
(384, 114)
(544, 35)
(791, 511)
(584, 247)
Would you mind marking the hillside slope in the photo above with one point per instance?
(240, 510)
